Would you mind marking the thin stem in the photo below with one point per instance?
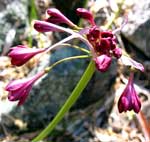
(144, 125)
(61, 42)
(66, 59)
(77, 47)
(70, 101)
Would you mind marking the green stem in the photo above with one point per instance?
(70, 101)
(77, 47)
(66, 59)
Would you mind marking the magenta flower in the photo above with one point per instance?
(19, 89)
(84, 13)
(129, 99)
(21, 54)
(42, 26)
(57, 17)
(103, 62)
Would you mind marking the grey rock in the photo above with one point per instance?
(137, 30)
(13, 15)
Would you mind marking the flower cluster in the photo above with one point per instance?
(102, 46)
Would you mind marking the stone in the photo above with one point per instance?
(13, 15)
(137, 30)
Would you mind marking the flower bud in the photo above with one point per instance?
(129, 99)
(117, 52)
(103, 62)
(84, 13)
(57, 17)
(19, 89)
(42, 26)
(21, 54)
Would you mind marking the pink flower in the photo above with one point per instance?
(103, 62)
(84, 13)
(21, 54)
(57, 17)
(129, 99)
(19, 89)
(42, 26)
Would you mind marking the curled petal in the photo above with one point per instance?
(130, 62)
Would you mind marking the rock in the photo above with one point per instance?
(137, 30)
(13, 15)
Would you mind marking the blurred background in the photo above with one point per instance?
(94, 117)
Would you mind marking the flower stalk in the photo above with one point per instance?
(66, 59)
(70, 101)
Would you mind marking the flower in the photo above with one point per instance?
(43, 26)
(129, 99)
(104, 45)
(19, 89)
(102, 62)
(21, 54)
(57, 17)
(84, 13)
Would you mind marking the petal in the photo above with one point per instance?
(136, 102)
(15, 95)
(24, 96)
(130, 62)
(16, 84)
